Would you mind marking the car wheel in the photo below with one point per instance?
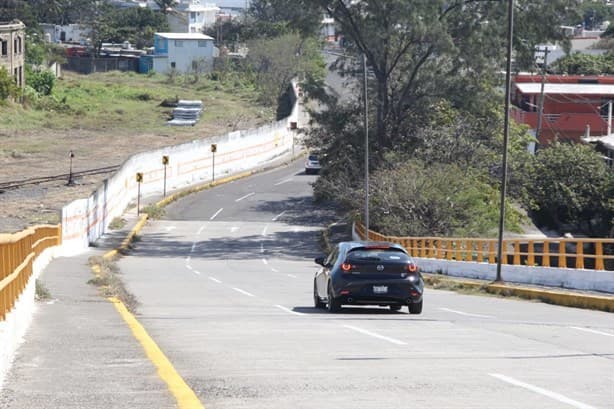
(317, 302)
(395, 308)
(415, 308)
(333, 304)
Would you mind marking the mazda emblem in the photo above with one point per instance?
(380, 267)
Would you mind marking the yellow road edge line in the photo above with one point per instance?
(184, 395)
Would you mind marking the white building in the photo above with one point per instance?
(183, 52)
(193, 17)
(70, 33)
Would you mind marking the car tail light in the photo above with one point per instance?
(412, 267)
(346, 266)
(344, 292)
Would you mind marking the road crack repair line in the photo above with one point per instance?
(542, 391)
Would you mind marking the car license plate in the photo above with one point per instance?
(380, 289)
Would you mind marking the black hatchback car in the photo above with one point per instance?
(368, 273)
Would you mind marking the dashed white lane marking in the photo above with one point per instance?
(466, 314)
(265, 261)
(200, 230)
(243, 292)
(216, 213)
(262, 247)
(374, 335)
(196, 272)
(189, 267)
(291, 275)
(593, 331)
(215, 280)
(264, 230)
(193, 247)
(188, 259)
(281, 182)
(278, 216)
(288, 310)
(171, 228)
(274, 270)
(542, 391)
(234, 229)
(245, 197)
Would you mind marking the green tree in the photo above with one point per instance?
(283, 16)
(594, 13)
(8, 88)
(423, 51)
(569, 184)
(276, 61)
(583, 64)
(41, 81)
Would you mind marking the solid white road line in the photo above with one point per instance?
(593, 331)
(245, 197)
(542, 391)
(466, 314)
(288, 310)
(243, 292)
(279, 215)
(215, 280)
(216, 213)
(373, 334)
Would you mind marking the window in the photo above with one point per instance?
(178, 43)
(173, 65)
(5, 47)
(202, 43)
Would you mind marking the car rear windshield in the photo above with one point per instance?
(313, 158)
(386, 255)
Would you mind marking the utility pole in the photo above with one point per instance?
(366, 125)
(506, 134)
(540, 109)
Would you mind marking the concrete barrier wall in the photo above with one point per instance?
(578, 279)
(86, 220)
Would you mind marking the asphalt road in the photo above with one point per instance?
(225, 289)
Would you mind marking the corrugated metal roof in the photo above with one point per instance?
(581, 89)
(185, 36)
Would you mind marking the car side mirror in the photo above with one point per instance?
(319, 260)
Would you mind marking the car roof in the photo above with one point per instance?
(349, 245)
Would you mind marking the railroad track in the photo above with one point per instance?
(16, 184)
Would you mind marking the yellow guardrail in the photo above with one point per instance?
(17, 253)
(594, 254)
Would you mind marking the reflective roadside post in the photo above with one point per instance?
(213, 150)
(165, 163)
(139, 180)
(71, 180)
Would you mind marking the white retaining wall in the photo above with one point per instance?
(571, 278)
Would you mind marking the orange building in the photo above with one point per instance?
(572, 104)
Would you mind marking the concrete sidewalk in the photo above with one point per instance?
(78, 351)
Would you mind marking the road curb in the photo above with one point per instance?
(550, 296)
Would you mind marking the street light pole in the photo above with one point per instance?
(366, 125)
(506, 132)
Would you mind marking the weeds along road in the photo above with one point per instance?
(225, 289)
